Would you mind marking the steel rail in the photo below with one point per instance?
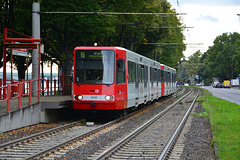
(138, 130)
(177, 131)
(35, 136)
(53, 148)
(47, 151)
(58, 129)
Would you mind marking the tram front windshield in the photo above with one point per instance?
(94, 67)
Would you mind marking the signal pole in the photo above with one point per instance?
(35, 34)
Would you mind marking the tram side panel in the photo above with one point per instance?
(170, 81)
(167, 75)
(174, 80)
(135, 84)
(159, 80)
(131, 66)
(163, 79)
(121, 80)
(140, 90)
(141, 83)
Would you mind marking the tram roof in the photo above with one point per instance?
(113, 48)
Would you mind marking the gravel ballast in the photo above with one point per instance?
(198, 144)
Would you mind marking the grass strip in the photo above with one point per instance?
(224, 118)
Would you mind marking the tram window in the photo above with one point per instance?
(134, 72)
(155, 75)
(145, 76)
(159, 75)
(151, 74)
(168, 77)
(120, 71)
(165, 77)
(140, 73)
(172, 77)
(131, 72)
(162, 76)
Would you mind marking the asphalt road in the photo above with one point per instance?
(232, 95)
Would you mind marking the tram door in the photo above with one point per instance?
(137, 82)
(121, 88)
(145, 81)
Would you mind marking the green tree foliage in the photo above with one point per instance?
(222, 60)
(193, 64)
(191, 68)
(157, 31)
(16, 15)
(60, 33)
(223, 57)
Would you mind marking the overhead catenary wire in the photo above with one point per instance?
(173, 43)
(173, 57)
(169, 27)
(155, 27)
(112, 13)
(178, 4)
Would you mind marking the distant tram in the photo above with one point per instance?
(114, 78)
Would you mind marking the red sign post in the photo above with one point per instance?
(18, 43)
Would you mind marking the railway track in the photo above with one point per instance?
(152, 140)
(56, 140)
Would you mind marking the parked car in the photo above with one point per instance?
(219, 85)
(227, 86)
(214, 84)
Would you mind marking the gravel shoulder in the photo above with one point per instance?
(198, 144)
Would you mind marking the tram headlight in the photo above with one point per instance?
(78, 97)
(109, 97)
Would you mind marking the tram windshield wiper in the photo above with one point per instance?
(106, 84)
(78, 83)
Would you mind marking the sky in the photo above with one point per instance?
(209, 19)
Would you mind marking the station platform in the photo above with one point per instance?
(54, 102)
(49, 109)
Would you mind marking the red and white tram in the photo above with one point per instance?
(114, 78)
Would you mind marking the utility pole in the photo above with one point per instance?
(35, 34)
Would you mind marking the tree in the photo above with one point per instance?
(190, 68)
(16, 15)
(223, 56)
(220, 61)
(62, 32)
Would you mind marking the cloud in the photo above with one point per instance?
(207, 18)
(207, 2)
(208, 22)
